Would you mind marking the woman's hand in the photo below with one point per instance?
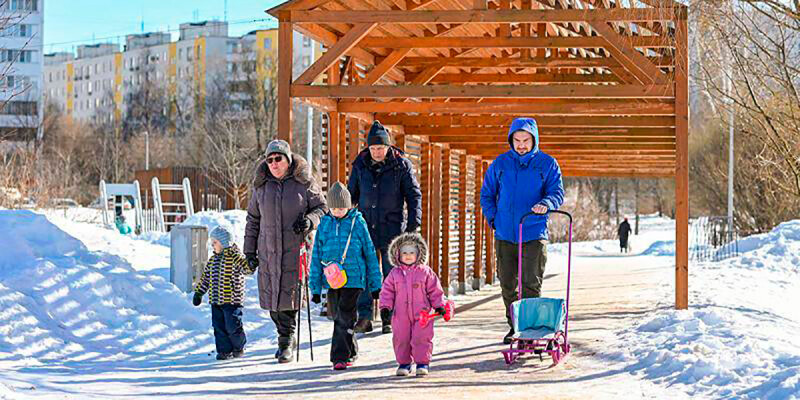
(302, 225)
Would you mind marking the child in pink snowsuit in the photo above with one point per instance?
(410, 288)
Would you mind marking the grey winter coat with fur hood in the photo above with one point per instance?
(275, 205)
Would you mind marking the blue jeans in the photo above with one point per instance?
(365, 300)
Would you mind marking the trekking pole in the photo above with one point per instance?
(299, 315)
(308, 314)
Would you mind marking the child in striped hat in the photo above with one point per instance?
(223, 279)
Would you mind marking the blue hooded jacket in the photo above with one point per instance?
(361, 264)
(514, 184)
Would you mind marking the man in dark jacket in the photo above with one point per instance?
(519, 181)
(285, 206)
(382, 182)
(624, 232)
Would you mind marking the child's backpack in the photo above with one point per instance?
(334, 272)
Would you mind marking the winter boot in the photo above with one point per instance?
(404, 370)
(363, 326)
(340, 366)
(237, 353)
(422, 369)
(224, 356)
(508, 337)
(387, 328)
(285, 347)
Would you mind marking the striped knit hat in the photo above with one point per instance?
(223, 234)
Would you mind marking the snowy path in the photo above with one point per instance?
(467, 360)
(88, 314)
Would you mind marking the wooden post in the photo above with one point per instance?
(490, 260)
(353, 144)
(462, 223)
(341, 159)
(284, 80)
(425, 186)
(400, 141)
(446, 217)
(436, 214)
(333, 147)
(477, 225)
(681, 167)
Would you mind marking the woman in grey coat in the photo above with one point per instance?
(285, 206)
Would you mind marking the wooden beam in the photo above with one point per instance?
(447, 210)
(544, 132)
(426, 171)
(418, 89)
(329, 39)
(565, 122)
(285, 81)
(477, 226)
(298, 5)
(423, 77)
(509, 42)
(385, 66)
(334, 126)
(462, 223)
(518, 62)
(570, 108)
(682, 168)
(347, 42)
(491, 263)
(320, 103)
(483, 16)
(436, 225)
(622, 49)
(586, 147)
(524, 78)
(553, 140)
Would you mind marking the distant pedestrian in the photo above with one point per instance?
(624, 232)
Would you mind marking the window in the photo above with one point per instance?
(267, 44)
(20, 108)
(23, 5)
(180, 54)
(306, 41)
(21, 56)
(306, 61)
(18, 30)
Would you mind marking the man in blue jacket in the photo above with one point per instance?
(521, 180)
(382, 182)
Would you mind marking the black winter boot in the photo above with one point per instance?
(285, 347)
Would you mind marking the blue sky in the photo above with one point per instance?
(68, 23)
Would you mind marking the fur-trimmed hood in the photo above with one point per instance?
(299, 170)
(408, 238)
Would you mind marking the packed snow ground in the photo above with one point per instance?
(88, 313)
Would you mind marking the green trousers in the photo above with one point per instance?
(534, 258)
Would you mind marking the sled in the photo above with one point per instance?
(540, 324)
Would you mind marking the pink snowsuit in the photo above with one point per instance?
(408, 290)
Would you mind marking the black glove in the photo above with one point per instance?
(386, 314)
(440, 311)
(376, 295)
(316, 299)
(252, 261)
(198, 298)
(302, 225)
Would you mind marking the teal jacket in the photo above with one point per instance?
(361, 264)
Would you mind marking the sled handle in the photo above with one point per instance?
(569, 262)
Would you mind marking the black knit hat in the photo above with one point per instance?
(378, 135)
(339, 196)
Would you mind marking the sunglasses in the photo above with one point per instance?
(275, 159)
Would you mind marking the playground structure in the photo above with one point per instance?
(177, 212)
(120, 192)
(606, 80)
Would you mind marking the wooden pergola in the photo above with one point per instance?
(605, 79)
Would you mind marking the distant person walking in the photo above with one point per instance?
(624, 232)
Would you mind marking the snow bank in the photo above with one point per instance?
(234, 219)
(738, 339)
(60, 301)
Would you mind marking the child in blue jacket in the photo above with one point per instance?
(345, 261)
